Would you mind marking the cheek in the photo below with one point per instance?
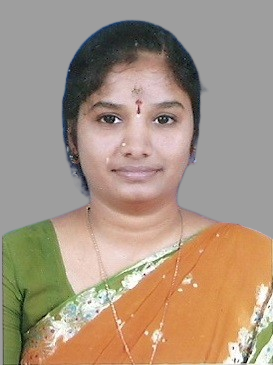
(95, 154)
(176, 146)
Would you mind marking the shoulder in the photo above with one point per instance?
(243, 235)
(240, 248)
(242, 242)
(31, 254)
(232, 232)
(29, 232)
(246, 251)
(25, 243)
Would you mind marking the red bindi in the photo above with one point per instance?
(138, 103)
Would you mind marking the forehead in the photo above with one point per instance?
(148, 75)
(145, 63)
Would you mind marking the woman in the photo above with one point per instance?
(132, 277)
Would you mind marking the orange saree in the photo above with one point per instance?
(219, 306)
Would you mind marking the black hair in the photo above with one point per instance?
(119, 43)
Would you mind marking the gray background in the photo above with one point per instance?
(231, 44)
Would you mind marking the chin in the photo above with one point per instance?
(142, 196)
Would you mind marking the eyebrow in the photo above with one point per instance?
(107, 105)
(169, 104)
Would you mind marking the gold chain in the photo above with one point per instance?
(104, 277)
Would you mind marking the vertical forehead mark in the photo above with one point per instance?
(136, 92)
(138, 103)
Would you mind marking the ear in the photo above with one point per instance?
(72, 137)
(72, 143)
(192, 158)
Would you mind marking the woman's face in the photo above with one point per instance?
(134, 134)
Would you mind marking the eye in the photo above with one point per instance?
(109, 119)
(164, 119)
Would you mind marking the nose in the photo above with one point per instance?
(136, 141)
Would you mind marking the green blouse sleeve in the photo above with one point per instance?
(34, 282)
(12, 302)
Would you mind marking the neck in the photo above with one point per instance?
(136, 227)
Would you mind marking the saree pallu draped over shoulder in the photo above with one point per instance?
(220, 308)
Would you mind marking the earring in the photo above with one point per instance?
(193, 159)
(74, 158)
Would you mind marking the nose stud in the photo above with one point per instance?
(123, 144)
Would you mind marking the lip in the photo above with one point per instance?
(137, 173)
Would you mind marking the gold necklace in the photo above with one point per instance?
(104, 277)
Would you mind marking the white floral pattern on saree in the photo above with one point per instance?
(255, 346)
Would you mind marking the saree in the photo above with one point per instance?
(220, 308)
